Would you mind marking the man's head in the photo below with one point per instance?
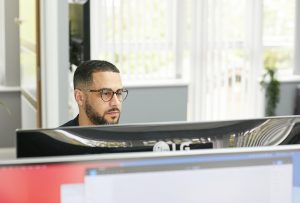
(99, 92)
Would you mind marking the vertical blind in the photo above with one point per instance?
(219, 43)
(229, 62)
(138, 36)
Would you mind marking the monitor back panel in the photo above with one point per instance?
(158, 137)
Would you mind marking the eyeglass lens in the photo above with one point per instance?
(108, 94)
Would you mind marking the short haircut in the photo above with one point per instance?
(84, 72)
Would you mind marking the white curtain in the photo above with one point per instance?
(138, 36)
(226, 60)
(219, 42)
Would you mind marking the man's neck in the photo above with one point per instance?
(83, 120)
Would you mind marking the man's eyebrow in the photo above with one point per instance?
(105, 88)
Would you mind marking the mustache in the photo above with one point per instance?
(113, 109)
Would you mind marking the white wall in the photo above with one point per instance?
(10, 115)
(155, 104)
(54, 61)
(10, 43)
(28, 114)
(2, 69)
(10, 73)
(287, 102)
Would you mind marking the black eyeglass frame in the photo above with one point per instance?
(123, 90)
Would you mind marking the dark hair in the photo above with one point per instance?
(83, 73)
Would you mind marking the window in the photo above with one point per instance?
(140, 37)
(278, 34)
(224, 44)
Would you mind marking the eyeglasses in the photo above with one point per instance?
(107, 94)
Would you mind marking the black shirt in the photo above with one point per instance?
(73, 122)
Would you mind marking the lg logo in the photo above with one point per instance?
(162, 146)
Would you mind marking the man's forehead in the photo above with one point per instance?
(107, 80)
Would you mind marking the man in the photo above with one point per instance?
(99, 94)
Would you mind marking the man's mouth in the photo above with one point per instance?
(113, 112)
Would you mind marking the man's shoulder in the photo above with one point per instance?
(73, 122)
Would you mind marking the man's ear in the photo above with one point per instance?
(79, 97)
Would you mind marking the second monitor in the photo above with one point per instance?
(158, 137)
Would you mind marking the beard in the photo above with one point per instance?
(96, 118)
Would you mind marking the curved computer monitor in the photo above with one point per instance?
(260, 174)
(158, 137)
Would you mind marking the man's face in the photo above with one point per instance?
(103, 112)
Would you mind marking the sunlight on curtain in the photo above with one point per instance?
(227, 64)
(219, 44)
(138, 36)
(279, 32)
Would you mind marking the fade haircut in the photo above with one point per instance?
(84, 72)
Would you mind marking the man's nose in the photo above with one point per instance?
(115, 100)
